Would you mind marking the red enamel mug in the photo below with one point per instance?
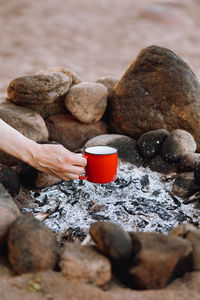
(101, 164)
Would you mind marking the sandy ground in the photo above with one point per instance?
(93, 37)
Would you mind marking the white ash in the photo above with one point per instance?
(137, 200)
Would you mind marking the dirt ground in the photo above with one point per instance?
(93, 37)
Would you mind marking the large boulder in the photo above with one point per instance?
(158, 90)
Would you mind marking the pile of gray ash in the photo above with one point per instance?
(139, 200)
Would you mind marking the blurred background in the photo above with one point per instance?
(94, 38)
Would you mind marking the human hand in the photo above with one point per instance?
(56, 160)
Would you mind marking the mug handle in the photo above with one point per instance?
(83, 177)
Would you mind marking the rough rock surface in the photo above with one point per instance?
(113, 241)
(192, 234)
(109, 82)
(182, 229)
(72, 134)
(188, 162)
(32, 178)
(73, 77)
(36, 89)
(32, 246)
(158, 164)
(87, 101)
(184, 185)
(24, 120)
(178, 143)
(49, 109)
(197, 173)
(160, 259)
(194, 238)
(158, 90)
(9, 179)
(150, 143)
(8, 213)
(85, 264)
(127, 147)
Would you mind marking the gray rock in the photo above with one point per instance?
(127, 147)
(150, 143)
(178, 143)
(87, 101)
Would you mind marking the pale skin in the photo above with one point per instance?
(52, 159)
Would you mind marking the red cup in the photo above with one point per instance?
(101, 164)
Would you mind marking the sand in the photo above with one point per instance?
(94, 38)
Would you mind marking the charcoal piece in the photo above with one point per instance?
(144, 181)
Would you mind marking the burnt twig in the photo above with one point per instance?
(195, 197)
(176, 201)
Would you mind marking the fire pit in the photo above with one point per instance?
(139, 200)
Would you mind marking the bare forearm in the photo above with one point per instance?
(51, 159)
(16, 144)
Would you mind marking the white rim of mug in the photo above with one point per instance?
(113, 147)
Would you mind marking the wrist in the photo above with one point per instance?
(31, 152)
